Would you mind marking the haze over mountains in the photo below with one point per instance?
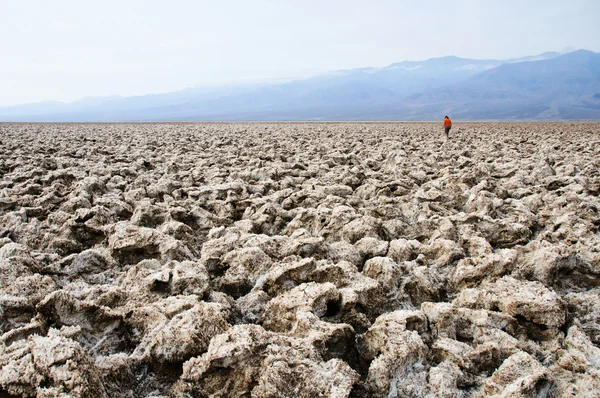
(549, 86)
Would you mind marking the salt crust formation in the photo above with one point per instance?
(299, 260)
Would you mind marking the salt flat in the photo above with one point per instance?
(300, 260)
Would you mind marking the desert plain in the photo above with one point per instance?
(300, 260)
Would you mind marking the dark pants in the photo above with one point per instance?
(447, 130)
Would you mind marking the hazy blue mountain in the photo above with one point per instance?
(545, 86)
(563, 87)
(539, 57)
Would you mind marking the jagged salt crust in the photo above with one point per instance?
(299, 260)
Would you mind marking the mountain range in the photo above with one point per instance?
(548, 86)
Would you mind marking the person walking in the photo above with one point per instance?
(447, 126)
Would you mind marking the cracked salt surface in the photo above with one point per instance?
(299, 260)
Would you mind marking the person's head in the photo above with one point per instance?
(446, 117)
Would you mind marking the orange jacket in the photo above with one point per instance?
(447, 122)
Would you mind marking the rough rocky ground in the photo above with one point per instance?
(299, 260)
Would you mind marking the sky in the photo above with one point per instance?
(68, 49)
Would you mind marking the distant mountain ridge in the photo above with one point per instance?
(558, 88)
(548, 86)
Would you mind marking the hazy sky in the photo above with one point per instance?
(68, 49)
